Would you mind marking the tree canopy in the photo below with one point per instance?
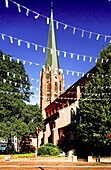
(95, 109)
(16, 118)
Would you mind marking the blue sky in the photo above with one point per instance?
(83, 16)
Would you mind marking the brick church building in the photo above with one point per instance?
(58, 106)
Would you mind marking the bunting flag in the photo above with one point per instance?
(65, 26)
(48, 20)
(28, 45)
(64, 54)
(37, 16)
(2, 35)
(35, 47)
(97, 38)
(27, 12)
(98, 35)
(74, 30)
(82, 35)
(6, 3)
(19, 41)
(61, 70)
(43, 48)
(57, 25)
(90, 35)
(78, 57)
(18, 5)
(71, 55)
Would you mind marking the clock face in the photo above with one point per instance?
(47, 76)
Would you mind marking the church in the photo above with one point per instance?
(58, 106)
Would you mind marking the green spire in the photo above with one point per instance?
(52, 58)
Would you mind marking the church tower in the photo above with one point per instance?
(52, 80)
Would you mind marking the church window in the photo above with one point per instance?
(56, 87)
(60, 86)
(48, 90)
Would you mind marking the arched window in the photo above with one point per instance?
(56, 89)
(48, 90)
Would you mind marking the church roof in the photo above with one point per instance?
(52, 57)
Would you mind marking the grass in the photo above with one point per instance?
(1, 156)
(26, 155)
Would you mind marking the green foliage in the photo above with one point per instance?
(95, 109)
(49, 149)
(16, 118)
(9, 150)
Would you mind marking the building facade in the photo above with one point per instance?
(58, 106)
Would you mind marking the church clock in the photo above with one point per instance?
(47, 76)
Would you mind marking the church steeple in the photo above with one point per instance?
(52, 80)
(52, 58)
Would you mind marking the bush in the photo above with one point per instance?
(49, 149)
(9, 150)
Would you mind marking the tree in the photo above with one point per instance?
(16, 118)
(95, 109)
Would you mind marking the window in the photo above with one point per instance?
(48, 90)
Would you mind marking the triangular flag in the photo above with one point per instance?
(10, 58)
(13, 75)
(65, 27)
(35, 47)
(17, 60)
(90, 59)
(84, 58)
(105, 38)
(3, 38)
(71, 55)
(64, 54)
(11, 39)
(30, 63)
(90, 35)
(78, 57)
(57, 24)
(27, 12)
(19, 10)
(67, 72)
(7, 73)
(19, 41)
(36, 17)
(58, 52)
(74, 30)
(47, 20)
(82, 35)
(24, 62)
(4, 80)
(77, 73)
(6, 3)
(97, 38)
(96, 60)
(28, 45)
(72, 73)
(82, 74)
(43, 49)
(3, 56)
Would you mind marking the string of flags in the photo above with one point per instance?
(37, 88)
(20, 84)
(68, 72)
(65, 26)
(66, 98)
(26, 78)
(72, 55)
